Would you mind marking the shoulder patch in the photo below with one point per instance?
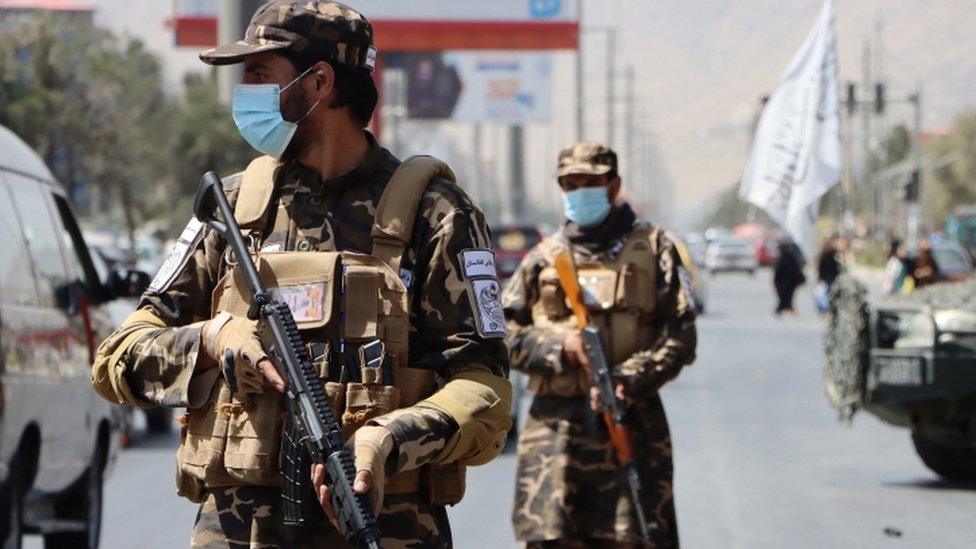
(178, 256)
(484, 292)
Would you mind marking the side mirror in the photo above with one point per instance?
(128, 282)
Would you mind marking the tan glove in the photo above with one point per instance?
(239, 335)
(371, 445)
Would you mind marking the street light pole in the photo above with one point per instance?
(611, 91)
(580, 79)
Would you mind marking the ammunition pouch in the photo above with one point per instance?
(341, 301)
(621, 296)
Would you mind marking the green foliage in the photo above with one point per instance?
(94, 106)
(952, 181)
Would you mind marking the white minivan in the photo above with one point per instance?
(56, 434)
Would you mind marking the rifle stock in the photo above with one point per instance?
(308, 405)
(601, 375)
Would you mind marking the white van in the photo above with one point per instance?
(56, 434)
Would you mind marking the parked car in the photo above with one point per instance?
(767, 250)
(726, 255)
(717, 233)
(510, 245)
(56, 434)
(696, 245)
(955, 263)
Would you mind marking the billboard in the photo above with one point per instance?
(502, 87)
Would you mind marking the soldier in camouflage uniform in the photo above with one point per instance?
(569, 490)
(323, 188)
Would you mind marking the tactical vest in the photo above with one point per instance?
(619, 294)
(341, 301)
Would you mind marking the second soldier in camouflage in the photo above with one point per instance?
(569, 492)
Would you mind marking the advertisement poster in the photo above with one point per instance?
(507, 88)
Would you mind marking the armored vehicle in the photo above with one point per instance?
(911, 361)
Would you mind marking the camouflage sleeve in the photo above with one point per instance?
(533, 349)
(674, 346)
(151, 359)
(464, 419)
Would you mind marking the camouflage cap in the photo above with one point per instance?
(318, 29)
(587, 158)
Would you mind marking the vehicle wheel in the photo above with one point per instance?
(949, 462)
(12, 519)
(752, 272)
(86, 506)
(159, 420)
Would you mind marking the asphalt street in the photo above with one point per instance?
(761, 461)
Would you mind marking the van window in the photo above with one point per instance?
(76, 249)
(16, 274)
(43, 237)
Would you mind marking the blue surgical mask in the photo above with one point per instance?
(257, 113)
(587, 207)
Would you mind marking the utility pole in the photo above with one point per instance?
(914, 191)
(580, 78)
(611, 91)
(630, 115)
(866, 137)
(517, 160)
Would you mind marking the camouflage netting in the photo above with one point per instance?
(847, 339)
(958, 295)
(846, 346)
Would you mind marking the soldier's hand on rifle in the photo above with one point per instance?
(252, 369)
(371, 445)
(574, 351)
(595, 396)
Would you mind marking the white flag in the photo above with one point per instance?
(796, 154)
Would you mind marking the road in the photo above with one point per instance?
(761, 461)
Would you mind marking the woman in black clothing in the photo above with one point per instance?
(787, 277)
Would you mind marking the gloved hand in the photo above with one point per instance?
(370, 445)
(251, 365)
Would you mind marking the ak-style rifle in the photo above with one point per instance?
(601, 374)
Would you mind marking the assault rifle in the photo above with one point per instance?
(601, 374)
(312, 421)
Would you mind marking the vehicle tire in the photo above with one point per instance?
(84, 505)
(12, 509)
(956, 463)
(159, 419)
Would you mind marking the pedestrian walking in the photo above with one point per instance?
(569, 487)
(787, 277)
(829, 265)
(368, 252)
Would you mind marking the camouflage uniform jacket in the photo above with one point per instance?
(148, 363)
(568, 484)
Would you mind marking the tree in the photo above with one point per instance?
(952, 181)
(93, 106)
